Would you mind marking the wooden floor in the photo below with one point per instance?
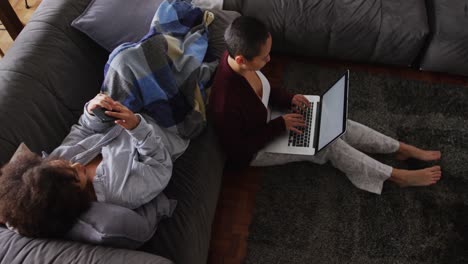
(23, 13)
(237, 197)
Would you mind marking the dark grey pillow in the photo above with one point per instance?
(116, 226)
(113, 22)
(216, 43)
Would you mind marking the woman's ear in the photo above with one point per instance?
(239, 59)
(21, 151)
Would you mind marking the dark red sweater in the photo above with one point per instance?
(240, 117)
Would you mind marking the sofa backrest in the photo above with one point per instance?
(388, 32)
(426, 34)
(447, 49)
(47, 75)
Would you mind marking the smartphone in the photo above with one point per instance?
(99, 112)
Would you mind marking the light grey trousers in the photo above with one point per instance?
(344, 154)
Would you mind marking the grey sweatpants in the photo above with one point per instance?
(363, 171)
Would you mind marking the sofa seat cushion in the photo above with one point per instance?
(448, 46)
(20, 249)
(389, 32)
(195, 184)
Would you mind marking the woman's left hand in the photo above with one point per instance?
(300, 101)
(125, 117)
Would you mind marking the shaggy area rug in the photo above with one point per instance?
(307, 213)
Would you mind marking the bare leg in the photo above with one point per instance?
(423, 177)
(406, 151)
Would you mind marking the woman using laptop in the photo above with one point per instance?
(239, 105)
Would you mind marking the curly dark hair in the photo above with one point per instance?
(39, 199)
(245, 36)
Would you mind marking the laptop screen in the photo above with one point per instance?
(333, 112)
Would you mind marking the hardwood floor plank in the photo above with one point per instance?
(24, 15)
(10, 19)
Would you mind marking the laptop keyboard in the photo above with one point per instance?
(304, 139)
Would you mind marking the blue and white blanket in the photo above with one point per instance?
(164, 74)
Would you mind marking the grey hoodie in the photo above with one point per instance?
(136, 164)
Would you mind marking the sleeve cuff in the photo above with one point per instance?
(278, 125)
(141, 132)
(92, 121)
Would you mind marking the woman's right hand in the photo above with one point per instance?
(100, 100)
(292, 121)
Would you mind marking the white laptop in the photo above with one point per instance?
(325, 119)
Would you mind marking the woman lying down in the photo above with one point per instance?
(127, 162)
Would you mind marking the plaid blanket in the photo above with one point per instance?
(164, 74)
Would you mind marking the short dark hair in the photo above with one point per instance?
(39, 199)
(245, 36)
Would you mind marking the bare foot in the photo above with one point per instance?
(407, 151)
(423, 177)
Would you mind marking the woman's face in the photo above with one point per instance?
(78, 170)
(259, 61)
(82, 176)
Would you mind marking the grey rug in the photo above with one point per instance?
(307, 213)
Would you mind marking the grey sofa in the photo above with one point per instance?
(425, 34)
(45, 79)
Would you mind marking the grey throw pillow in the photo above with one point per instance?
(113, 22)
(116, 226)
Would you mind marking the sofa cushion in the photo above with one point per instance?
(216, 43)
(390, 32)
(113, 22)
(117, 226)
(195, 184)
(20, 249)
(448, 46)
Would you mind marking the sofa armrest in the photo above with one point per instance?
(47, 75)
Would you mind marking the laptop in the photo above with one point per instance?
(325, 118)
